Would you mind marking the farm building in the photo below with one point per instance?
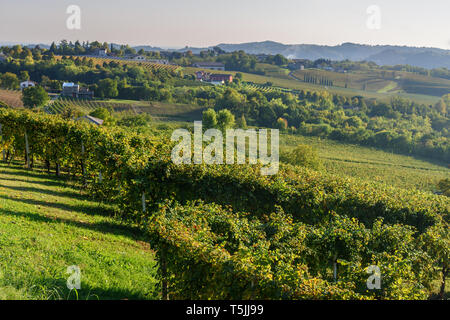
(90, 119)
(140, 58)
(214, 78)
(221, 78)
(210, 65)
(296, 65)
(26, 84)
(101, 52)
(75, 91)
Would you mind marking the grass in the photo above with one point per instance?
(12, 98)
(371, 164)
(383, 81)
(46, 225)
(280, 80)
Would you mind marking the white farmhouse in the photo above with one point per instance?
(26, 84)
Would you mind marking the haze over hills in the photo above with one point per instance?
(380, 54)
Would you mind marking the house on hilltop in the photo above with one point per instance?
(72, 90)
(210, 65)
(27, 84)
(140, 58)
(101, 52)
(212, 78)
(220, 78)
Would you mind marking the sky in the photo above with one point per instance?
(201, 23)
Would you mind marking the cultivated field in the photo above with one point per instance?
(12, 98)
(372, 164)
(382, 81)
(58, 106)
(294, 84)
(146, 65)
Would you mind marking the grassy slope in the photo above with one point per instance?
(12, 98)
(46, 226)
(383, 81)
(290, 83)
(371, 164)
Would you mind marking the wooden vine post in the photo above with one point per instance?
(83, 169)
(27, 151)
(163, 265)
(1, 141)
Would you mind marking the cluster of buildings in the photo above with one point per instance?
(214, 78)
(69, 90)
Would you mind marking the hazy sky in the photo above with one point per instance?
(209, 22)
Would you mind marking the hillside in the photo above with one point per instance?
(47, 226)
(381, 81)
(280, 80)
(381, 54)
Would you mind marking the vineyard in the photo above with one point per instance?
(12, 98)
(58, 106)
(263, 88)
(146, 65)
(226, 232)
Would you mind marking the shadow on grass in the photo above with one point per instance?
(68, 194)
(48, 183)
(128, 231)
(56, 289)
(35, 173)
(86, 209)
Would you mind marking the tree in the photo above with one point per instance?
(267, 116)
(24, 76)
(209, 119)
(281, 124)
(241, 123)
(101, 113)
(225, 119)
(33, 97)
(280, 60)
(441, 106)
(107, 88)
(9, 81)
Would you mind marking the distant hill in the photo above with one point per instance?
(381, 54)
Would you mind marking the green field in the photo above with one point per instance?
(371, 164)
(298, 84)
(382, 81)
(47, 226)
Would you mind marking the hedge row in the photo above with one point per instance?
(211, 252)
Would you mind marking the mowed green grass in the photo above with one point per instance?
(47, 226)
(371, 164)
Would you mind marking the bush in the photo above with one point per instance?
(302, 155)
